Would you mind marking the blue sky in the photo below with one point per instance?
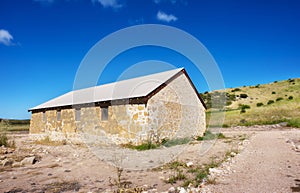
(42, 42)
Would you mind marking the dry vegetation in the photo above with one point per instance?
(261, 104)
(9, 125)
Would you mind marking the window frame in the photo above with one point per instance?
(104, 113)
(44, 118)
(77, 114)
(58, 115)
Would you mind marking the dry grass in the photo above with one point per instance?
(62, 186)
(48, 142)
(283, 110)
(7, 125)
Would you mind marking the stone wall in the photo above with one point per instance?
(125, 124)
(174, 111)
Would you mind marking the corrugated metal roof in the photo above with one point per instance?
(125, 89)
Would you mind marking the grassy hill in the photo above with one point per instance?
(256, 105)
(14, 125)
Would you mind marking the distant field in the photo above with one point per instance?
(9, 125)
(260, 104)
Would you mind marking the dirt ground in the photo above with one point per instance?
(267, 160)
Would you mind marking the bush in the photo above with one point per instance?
(259, 104)
(243, 96)
(257, 86)
(290, 97)
(142, 147)
(243, 111)
(279, 99)
(273, 92)
(275, 81)
(242, 106)
(236, 89)
(3, 140)
(270, 102)
(173, 142)
(228, 103)
(243, 121)
(208, 135)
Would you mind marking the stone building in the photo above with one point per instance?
(155, 107)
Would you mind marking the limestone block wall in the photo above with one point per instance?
(46, 124)
(126, 123)
(176, 111)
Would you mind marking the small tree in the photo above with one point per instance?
(243, 96)
(270, 102)
(259, 104)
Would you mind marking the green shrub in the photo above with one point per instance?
(291, 80)
(208, 135)
(142, 147)
(225, 126)
(279, 99)
(173, 142)
(243, 96)
(236, 89)
(275, 81)
(3, 140)
(290, 97)
(257, 86)
(228, 103)
(273, 92)
(220, 136)
(242, 106)
(243, 111)
(294, 123)
(243, 121)
(259, 104)
(270, 102)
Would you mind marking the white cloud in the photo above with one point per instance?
(109, 3)
(5, 37)
(165, 17)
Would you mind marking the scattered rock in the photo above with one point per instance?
(67, 171)
(172, 190)
(162, 178)
(288, 141)
(16, 164)
(29, 160)
(232, 154)
(13, 177)
(214, 170)
(182, 190)
(189, 164)
(7, 162)
(283, 124)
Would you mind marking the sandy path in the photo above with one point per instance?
(268, 164)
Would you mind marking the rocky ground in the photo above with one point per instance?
(249, 159)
